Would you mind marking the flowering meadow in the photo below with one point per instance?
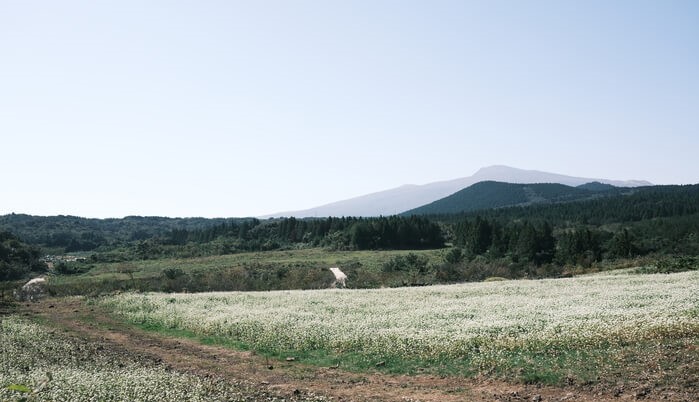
(39, 363)
(475, 322)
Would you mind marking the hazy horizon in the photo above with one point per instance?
(223, 109)
(281, 213)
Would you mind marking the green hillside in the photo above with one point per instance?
(596, 186)
(72, 233)
(618, 206)
(492, 194)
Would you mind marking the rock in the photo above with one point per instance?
(642, 393)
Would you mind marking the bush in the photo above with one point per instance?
(17, 259)
(671, 265)
(406, 263)
(454, 256)
(449, 273)
(65, 268)
(173, 273)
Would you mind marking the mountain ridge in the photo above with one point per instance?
(410, 196)
(494, 194)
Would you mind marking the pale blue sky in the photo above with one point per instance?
(232, 108)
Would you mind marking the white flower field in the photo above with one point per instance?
(39, 363)
(543, 331)
(470, 321)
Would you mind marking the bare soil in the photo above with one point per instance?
(293, 379)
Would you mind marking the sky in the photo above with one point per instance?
(246, 108)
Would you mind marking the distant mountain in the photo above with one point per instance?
(492, 194)
(512, 175)
(404, 198)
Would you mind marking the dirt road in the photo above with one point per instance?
(293, 379)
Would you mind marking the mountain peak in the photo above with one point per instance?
(514, 175)
(497, 172)
(494, 169)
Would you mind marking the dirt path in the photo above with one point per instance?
(293, 379)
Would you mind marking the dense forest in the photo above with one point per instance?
(18, 259)
(66, 234)
(155, 237)
(650, 220)
(537, 244)
(346, 233)
(642, 203)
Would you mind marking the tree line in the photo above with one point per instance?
(18, 259)
(652, 220)
(347, 233)
(537, 244)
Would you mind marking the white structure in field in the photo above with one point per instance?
(32, 290)
(340, 277)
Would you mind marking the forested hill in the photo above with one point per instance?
(618, 206)
(492, 194)
(657, 220)
(72, 233)
(153, 237)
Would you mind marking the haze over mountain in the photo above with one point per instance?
(407, 197)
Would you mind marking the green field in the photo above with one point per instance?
(300, 269)
(294, 269)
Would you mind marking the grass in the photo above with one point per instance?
(270, 270)
(290, 269)
(372, 260)
(187, 334)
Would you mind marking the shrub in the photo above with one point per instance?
(671, 265)
(173, 273)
